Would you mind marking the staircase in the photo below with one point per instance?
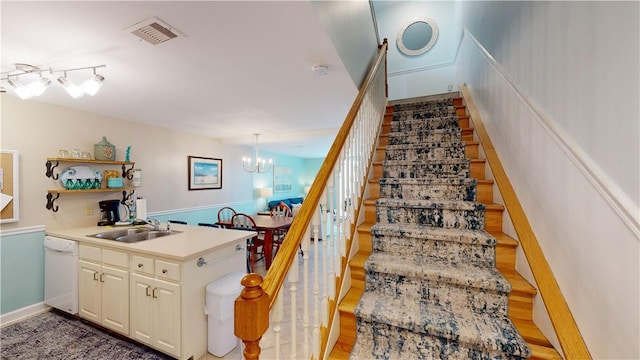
(441, 281)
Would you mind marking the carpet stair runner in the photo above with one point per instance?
(450, 302)
(423, 298)
(478, 247)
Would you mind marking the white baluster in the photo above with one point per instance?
(293, 288)
(332, 236)
(316, 284)
(276, 317)
(325, 273)
(305, 284)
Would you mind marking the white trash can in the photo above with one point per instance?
(221, 296)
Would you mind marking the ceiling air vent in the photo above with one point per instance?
(154, 31)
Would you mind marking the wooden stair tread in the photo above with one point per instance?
(350, 300)
(518, 283)
(504, 239)
(358, 260)
(342, 349)
(530, 332)
(495, 207)
(543, 352)
(365, 227)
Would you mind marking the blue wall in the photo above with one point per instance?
(21, 270)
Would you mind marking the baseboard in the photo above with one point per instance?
(25, 312)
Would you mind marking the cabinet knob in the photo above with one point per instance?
(164, 271)
(95, 276)
(147, 290)
(140, 266)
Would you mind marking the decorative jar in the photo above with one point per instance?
(104, 150)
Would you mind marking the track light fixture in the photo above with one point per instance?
(38, 86)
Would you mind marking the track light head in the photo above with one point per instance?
(22, 91)
(38, 87)
(72, 89)
(92, 85)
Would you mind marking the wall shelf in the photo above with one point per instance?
(54, 194)
(126, 173)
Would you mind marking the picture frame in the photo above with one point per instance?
(204, 173)
(281, 179)
(9, 186)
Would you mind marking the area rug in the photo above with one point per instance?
(53, 335)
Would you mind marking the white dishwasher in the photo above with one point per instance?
(61, 274)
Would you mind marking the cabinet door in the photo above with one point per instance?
(167, 316)
(89, 291)
(115, 299)
(142, 308)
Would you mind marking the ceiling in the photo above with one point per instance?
(237, 67)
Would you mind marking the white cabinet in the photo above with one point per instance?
(155, 304)
(154, 299)
(103, 287)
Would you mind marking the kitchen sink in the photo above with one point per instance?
(131, 235)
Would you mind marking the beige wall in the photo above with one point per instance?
(38, 130)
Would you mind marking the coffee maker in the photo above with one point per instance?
(109, 211)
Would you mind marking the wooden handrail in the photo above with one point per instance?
(571, 341)
(253, 305)
(275, 277)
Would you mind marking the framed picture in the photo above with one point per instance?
(9, 181)
(281, 179)
(205, 173)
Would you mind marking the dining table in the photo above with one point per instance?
(269, 225)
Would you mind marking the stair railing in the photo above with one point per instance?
(334, 201)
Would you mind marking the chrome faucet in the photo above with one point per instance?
(154, 222)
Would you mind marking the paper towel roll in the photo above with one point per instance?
(141, 209)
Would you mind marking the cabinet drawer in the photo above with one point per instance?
(142, 264)
(168, 270)
(116, 258)
(90, 252)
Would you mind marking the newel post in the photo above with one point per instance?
(251, 315)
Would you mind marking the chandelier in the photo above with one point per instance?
(39, 85)
(258, 165)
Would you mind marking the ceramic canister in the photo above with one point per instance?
(104, 150)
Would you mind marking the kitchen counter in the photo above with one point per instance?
(192, 242)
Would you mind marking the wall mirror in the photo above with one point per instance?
(417, 36)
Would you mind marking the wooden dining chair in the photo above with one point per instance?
(279, 211)
(225, 214)
(255, 245)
